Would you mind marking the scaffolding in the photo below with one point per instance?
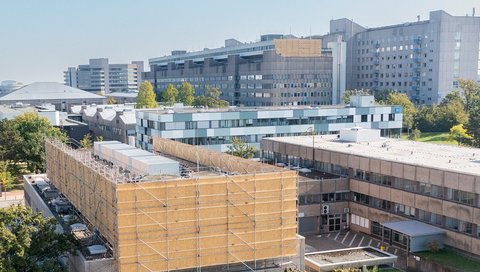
(239, 215)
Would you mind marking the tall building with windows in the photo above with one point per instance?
(389, 180)
(215, 128)
(424, 59)
(101, 76)
(279, 70)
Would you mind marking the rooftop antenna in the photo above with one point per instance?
(473, 12)
(290, 29)
(418, 18)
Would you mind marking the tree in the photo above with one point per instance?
(210, 99)
(241, 149)
(169, 95)
(29, 146)
(471, 92)
(6, 178)
(414, 135)
(146, 97)
(28, 241)
(8, 135)
(111, 100)
(99, 138)
(459, 133)
(186, 94)
(409, 110)
(86, 141)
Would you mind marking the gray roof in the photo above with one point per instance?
(458, 159)
(48, 91)
(413, 228)
(126, 95)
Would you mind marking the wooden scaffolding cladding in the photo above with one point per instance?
(87, 185)
(209, 157)
(184, 223)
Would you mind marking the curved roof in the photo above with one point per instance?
(48, 91)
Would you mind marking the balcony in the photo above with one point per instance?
(417, 50)
(418, 39)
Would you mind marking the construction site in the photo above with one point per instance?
(182, 208)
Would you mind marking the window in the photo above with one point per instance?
(364, 118)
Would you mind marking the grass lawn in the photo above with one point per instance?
(434, 137)
(454, 259)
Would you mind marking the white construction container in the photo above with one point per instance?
(155, 165)
(124, 157)
(107, 151)
(97, 145)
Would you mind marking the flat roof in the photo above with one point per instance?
(465, 160)
(413, 228)
(348, 257)
(244, 109)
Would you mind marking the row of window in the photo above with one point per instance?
(464, 197)
(319, 77)
(245, 123)
(418, 214)
(323, 198)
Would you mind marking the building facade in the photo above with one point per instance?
(388, 180)
(424, 59)
(101, 76)
(111, 122)
(215, 128)
(189, 217)
(276, 71)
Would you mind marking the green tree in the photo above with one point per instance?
(169, 95)
(409, 110)
(241, 149)
(28, 241)
(99, 138)
(29, 146)
(471, 91)
(459, 133)
(414, 135)
(186, 94)
(146, 97)
(210, 99)
(8, 135)
(6, 178)
(86, 141)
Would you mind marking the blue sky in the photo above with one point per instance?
(39, 39)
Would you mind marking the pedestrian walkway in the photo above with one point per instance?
(11, 198)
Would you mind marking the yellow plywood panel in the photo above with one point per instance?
(205, 221)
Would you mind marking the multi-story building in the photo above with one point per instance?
(7, 86)
(215, 128)
(276, 71)
(389, 180)
(111, 122)
(187, 209)
(101, 76)
(423, 59)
